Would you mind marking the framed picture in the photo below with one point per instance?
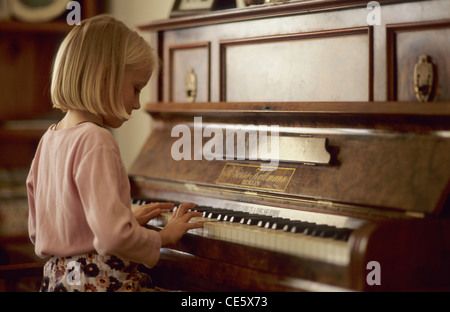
(37, 10)
(193, 7)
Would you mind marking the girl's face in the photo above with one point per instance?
(134, 81)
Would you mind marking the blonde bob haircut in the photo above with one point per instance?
(89, 68)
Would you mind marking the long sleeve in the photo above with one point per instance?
(31, 209)
(104, 191)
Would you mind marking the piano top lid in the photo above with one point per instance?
(256, 12)
(390, 155)
(323, 108)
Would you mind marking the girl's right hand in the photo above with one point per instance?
(179, 224)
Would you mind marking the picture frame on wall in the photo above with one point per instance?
(34, 11)
(194, 7)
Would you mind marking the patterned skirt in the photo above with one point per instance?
(94, 273)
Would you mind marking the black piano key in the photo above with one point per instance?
(280, 224)
(138, 202)
(223, 214)
(295, 226)
(342, 234)
(214, 214)
(234, 215)
(254, 219)
(302, 227)
(236, 218)
(268, 223)
(328, 232)
(175, 205)
(322, 230)
(288, 226)
(315, 230)
(211, 214)
(202, 208)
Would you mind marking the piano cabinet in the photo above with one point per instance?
(387, 181)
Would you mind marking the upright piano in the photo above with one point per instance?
(294, 127)
(357, 200)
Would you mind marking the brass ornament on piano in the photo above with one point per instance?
(191, 85)
(245, 175)
(424, 78)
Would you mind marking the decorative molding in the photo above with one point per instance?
(257, 12)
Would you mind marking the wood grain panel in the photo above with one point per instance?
(299, 67)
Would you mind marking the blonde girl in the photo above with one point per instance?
(80, 216)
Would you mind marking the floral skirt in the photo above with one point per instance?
(94, 273)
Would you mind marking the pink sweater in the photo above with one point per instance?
(79, 198)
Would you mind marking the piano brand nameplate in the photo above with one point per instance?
(254, 176)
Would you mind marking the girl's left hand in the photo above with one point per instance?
(145, 213)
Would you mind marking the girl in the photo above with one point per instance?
(78, 190)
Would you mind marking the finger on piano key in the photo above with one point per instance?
(299, 238)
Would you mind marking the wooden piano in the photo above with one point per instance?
(370, 180)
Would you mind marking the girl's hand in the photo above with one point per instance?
(145, 213)
(179, 224)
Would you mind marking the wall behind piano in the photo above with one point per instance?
(133, 134)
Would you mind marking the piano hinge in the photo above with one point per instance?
(327, 205)
(191, 187)
(415, 214)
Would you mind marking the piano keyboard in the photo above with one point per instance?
(293, 236)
